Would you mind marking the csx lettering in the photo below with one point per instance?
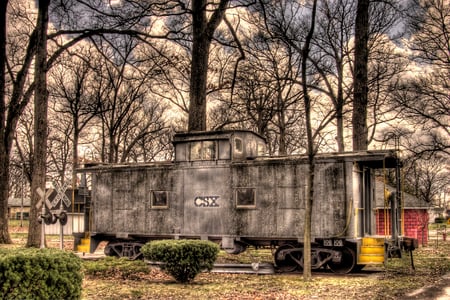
(206, 201)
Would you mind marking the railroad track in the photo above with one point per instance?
(253, 268)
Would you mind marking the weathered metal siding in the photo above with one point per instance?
(101, 206)
(280, 199)
(290, 198)
(262, 219)
(202, 199)
(163, 221)
(207, 199)
(120, 201)
(330, 208)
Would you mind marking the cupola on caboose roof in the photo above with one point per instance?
(218, 145)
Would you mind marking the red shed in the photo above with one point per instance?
(414, 215)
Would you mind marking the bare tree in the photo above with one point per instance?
(202, 34)
(127, 112)
(427, 178)
(266, 98)
(424, 99)
(22, 88)
(360, 81)
(59, 151)
(332, 58)
(71, 91)
(312, 148)
(4, 151)
(40, 123)
(281, 20)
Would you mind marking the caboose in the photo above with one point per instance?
(221, 186)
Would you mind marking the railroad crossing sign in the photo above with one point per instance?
(48, 216)
(61, 194)
(44, 198)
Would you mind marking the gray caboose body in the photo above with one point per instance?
(221, 187)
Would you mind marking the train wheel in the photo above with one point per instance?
(347, 263)
(124, 249)
(287, 261)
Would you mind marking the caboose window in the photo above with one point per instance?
(238, 148)
(196, 151)
(209, 150)
(160, 199)
(205, 150)
(261, 149)
(245, 198)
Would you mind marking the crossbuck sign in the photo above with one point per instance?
(61, 194)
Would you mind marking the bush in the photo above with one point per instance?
(183, 259)
(39, 274)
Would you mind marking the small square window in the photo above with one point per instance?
(160, 199)
(245, 198)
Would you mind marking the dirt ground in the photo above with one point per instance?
(438, 291)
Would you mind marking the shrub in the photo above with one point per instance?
(183, 259)
(39, 274)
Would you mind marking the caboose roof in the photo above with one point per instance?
(376, 159)
(181, 137)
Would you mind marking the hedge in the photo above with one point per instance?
(39, 274)
(183, 259)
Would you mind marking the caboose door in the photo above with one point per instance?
(368, 198)
(207, 200)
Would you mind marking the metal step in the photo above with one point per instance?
(373, 241)
(84, 246)
(371, 251)
(366, 259)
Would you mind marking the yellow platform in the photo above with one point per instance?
(371, 251)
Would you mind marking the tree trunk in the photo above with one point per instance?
(75, 159)
(202, 33)
(199, 68)
(339, 109)
(40, 124)
(9, 116)
(311, 152)
(282, 150)
(4, 152)
(360, 81)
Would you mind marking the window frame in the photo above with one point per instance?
(246, 189)
(203, 155)
(153, 198)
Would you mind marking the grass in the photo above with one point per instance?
(393, 281)
(121, 279)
